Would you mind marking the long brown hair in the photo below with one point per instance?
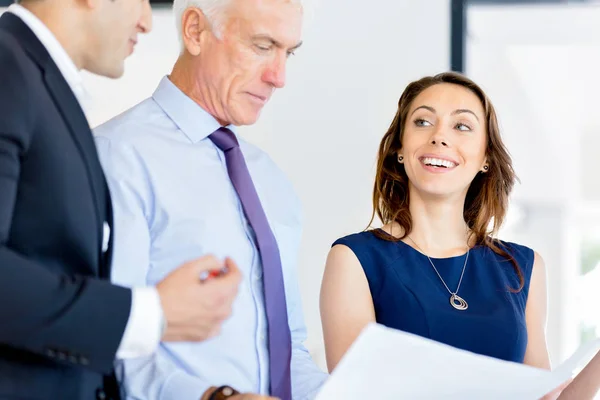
(487, 196)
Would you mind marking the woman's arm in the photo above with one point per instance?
(536, 312)
(346, 303)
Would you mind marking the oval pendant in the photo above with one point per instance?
(458, 302)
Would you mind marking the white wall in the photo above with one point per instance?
(538, 64)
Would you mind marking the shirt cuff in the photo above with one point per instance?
(144, 327)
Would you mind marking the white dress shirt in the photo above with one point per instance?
(143, 331)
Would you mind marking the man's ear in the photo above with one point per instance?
(193, 25)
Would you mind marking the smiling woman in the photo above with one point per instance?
(435, 268)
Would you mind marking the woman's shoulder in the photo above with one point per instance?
(354, 239)
(369, 240)
(370, 250)
(524, 256)
(519, 251)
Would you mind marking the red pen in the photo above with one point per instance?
(213, 273)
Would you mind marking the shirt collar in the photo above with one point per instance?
(195, 122)
(58, 54)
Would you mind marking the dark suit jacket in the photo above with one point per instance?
(61, 321)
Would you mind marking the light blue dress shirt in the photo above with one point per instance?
(174, 202)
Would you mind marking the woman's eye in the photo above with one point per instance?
(463, 127)
(422, 122)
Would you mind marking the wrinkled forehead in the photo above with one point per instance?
(279, 19)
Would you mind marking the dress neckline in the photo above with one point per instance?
(401, 243)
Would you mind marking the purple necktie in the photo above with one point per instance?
(280, 343)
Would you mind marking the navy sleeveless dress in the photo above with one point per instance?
(408, 294)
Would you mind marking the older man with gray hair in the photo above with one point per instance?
(184, 185)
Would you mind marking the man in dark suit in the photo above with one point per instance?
(62, 323)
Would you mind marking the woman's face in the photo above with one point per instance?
(444, 140)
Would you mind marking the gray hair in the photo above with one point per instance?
(214, 11)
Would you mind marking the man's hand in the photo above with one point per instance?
(195, 310)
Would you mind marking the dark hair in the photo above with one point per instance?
(488, 194)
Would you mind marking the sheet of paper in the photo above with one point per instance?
(384, 363)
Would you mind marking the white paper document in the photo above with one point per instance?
(385, 363)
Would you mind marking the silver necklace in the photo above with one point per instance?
(455, 300)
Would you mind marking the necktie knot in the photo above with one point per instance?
(224, 139)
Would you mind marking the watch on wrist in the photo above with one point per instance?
(223, 392)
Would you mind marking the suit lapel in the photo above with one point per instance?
(75, 120)
(73, 115)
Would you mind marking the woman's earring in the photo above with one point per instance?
(400, 158)
(485, 168)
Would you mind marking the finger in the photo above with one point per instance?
(216, 331)
(207, 263)
(221, 306)
(233, 270)
(224, 312)
(218, 292)
(231, 279)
